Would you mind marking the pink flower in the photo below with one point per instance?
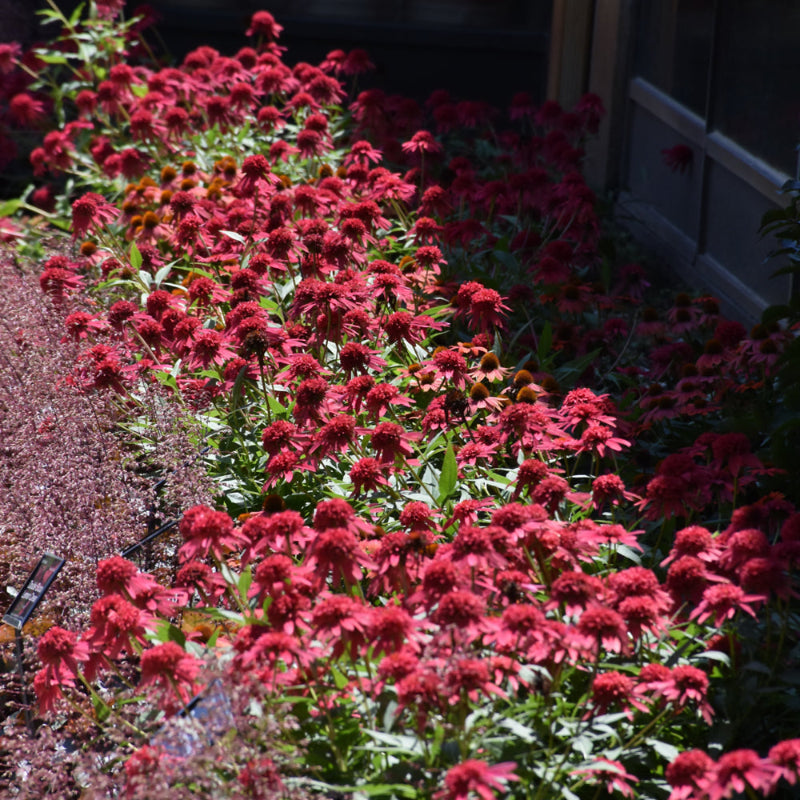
(367, 474)
(678, 158)
(26, 109)
(600, 625)
(786, 757)
(469, 678)
(472, 547)
(336, 551)
(422, 142)
(143, 763)
(263, 23)
(255, 168)
(486, 310)
(685, 683)
(61, 653)
(362, 152)
(117, 575)
(91, 211)
(575, 589)
(609, 489)
(342, 620)
(461, 610)
(688, 774)
(390, 628)
(205, 532)
(389, 440)
(476, 777)
(610, 773)
(117, 625)
(614, 689)
(721, 601)
(740, 771)
(168, 664)
(210, 585)
(687, 579)
(9, 53)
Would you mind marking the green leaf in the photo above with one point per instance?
(371, 789)
(575, 368)
(167, 632)
(76, 14)
(175, 634)
(506, 259)
(245, 579)
(449, 474)
(397, 743)
(275, 406)
(161, 274)
(136, 256)
(520, 731)
(50, 58)
(237, 237)
(664, 749)
(231, 578)
(10, 207)
(545, 342)
(101, 709)
(339, 678)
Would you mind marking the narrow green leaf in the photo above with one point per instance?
(50, 58)
(101, 709)
(237, 237)
(339, 678)
(175, 634)
(245, 579)
(9, 207)
(545, 342)
(449, 474)
(228, 574)
(136, 256)
(275, 406)
(664, 749)
(76, 14)
(161, 274)
(386, 789)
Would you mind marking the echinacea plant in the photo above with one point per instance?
(480, 523)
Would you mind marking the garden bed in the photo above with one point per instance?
(462, 510)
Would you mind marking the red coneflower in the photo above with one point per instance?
(207, 532)
(91, 211)
(476, 777)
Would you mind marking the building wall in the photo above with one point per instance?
(711, 81)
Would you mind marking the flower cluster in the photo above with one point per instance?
(461, 542)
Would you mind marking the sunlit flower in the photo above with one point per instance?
(343, 621)
(684, 684)
(474, 777)
(739, 771)
(205, 532)
(336, 552)
(722, 601)
(785, 756)
(613, 689)
(610, 773)
(168, 664)
(602, 626)
(61, 655)
(689, 774)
